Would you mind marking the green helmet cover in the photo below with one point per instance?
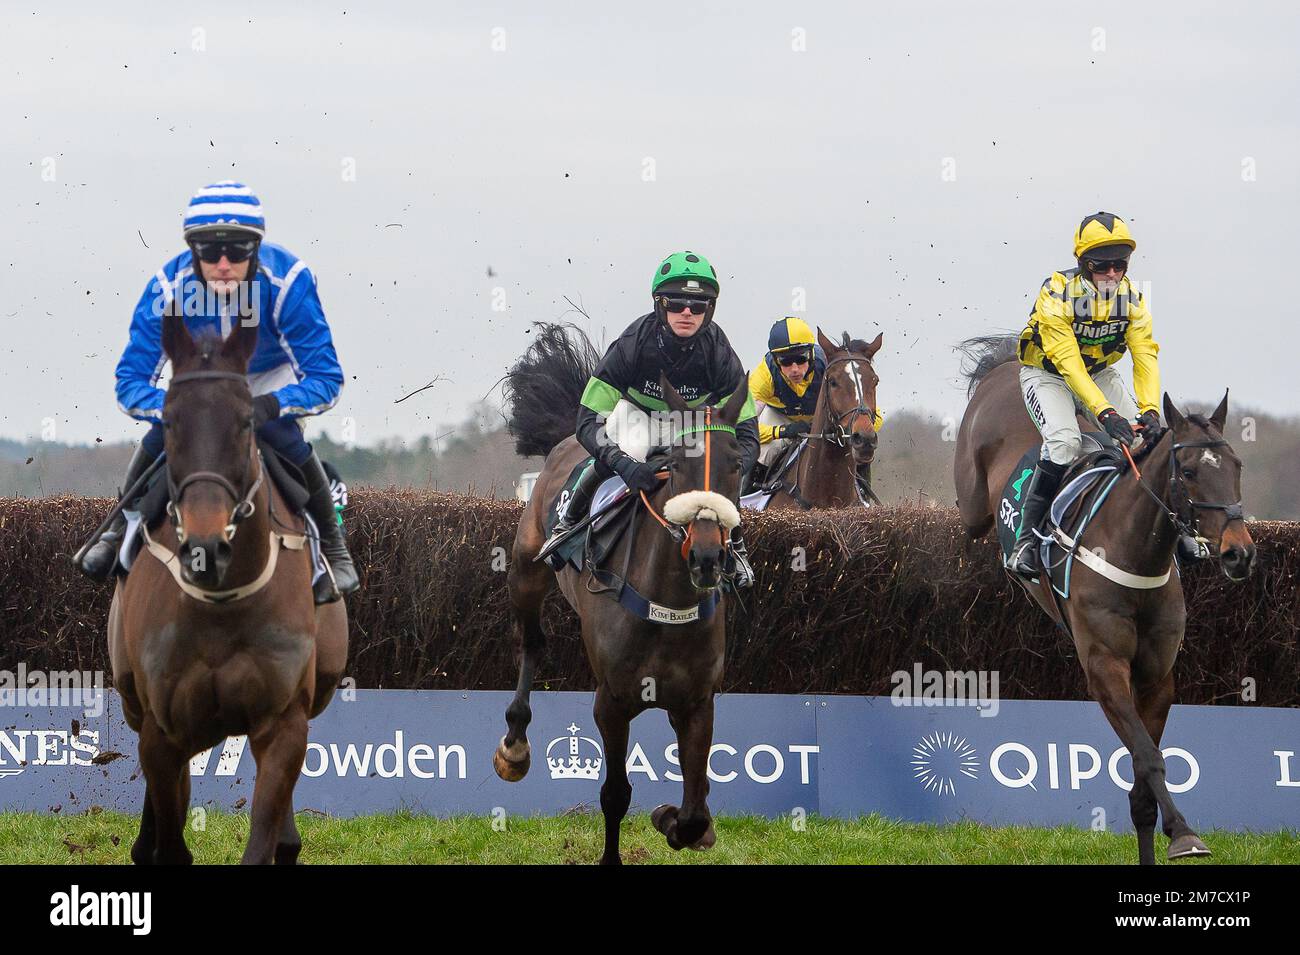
(685, 267)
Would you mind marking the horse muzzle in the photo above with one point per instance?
(705, 564)
(205, 560)
(1237, 560)
(863, 446)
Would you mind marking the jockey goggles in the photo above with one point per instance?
(235, 251)
(1105, 265)
(680, 303)
(796, 357)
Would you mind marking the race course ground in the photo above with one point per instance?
(105, 838)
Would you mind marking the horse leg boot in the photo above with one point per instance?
(574, 511)
(1025, 559)
(102, 555)
(321, 507)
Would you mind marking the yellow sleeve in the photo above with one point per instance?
(1143, 348)
(1062, 348)
(760, 386)
(880, 419)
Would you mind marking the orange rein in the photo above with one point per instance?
(708, 451)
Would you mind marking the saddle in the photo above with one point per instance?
(149, 508)
(593, 539)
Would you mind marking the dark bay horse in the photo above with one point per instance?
(639, 664)
(1127, 636)
(214, 632)
(843, 439)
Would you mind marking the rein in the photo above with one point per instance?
(1178, 496)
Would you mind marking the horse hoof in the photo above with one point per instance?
(706, 841)
(663, 817)
(1187, 846)
(512, 762)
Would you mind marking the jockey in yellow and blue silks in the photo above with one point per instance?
(229, 274)
(785, 386)
(1084, 321)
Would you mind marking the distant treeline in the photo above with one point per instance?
(914, 463)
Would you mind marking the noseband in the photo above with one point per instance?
(244, 506)
(834, 429)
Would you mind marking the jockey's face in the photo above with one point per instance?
(686, 322)
(224, 276)
(1107, 281)
(795, 373)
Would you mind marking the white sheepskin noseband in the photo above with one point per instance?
(701, 505)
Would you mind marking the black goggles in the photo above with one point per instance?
(1105, 265)
(787, 358)
(680, 303)
(235, 251)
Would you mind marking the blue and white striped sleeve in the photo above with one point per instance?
(141, 364)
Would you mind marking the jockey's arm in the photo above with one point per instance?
(306, 336)
(138, 394)
(1143, 348)
(1055, 328)
(598, 400)
(760, 389)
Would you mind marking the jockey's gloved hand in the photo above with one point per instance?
(265, 408)
(1117, 427)
(796, 429)
(638, 475)
(1148, 425)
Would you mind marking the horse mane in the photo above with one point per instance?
(544, 387)
(983, 353)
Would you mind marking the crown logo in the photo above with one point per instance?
(572, 764)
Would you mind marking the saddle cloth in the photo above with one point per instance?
(611, 517)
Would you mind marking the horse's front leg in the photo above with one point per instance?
(616, 792)
(162, 825)
(279, 750)
(691, 826)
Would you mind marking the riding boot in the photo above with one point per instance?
(754, 479)
(1189, 549)
(320, 505)
(574, 511)
(102, 555)
(739, 569)
(1025, 559)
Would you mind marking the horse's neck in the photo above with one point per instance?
(1146, 535)
(825, 473)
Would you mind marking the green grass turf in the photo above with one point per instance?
(105, 838)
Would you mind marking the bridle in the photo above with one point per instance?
(244, 506)
(686, 535)
(1183, 512)
(834, 429)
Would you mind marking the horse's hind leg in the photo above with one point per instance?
(616, 792)
(166, 771)
(279, 750)
(290, 844)
(1108, 682)
(691, 826)
(143, 848)
(529, 584)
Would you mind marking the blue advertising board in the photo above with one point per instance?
(1019, 762)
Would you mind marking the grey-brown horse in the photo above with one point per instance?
(214, 632)
(843, 441)
(1127, 637)
(678, 542)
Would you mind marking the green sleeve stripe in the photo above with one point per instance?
(600, 396)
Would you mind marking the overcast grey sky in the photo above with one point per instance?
(820, 168)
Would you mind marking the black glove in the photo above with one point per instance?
(1117, 427)
(265, 408)
(637, 475)
(796, 429)
(1148, 425)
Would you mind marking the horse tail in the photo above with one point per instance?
(544, 387)
(983, 353)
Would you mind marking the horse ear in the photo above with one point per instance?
(241, 343)
(875, 345)
(176, 339)
(731, 410)
(1173, 417)
(827, 345)
(671, 397)
(1220, 416)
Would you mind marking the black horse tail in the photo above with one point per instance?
(983, 353)
(543, 388)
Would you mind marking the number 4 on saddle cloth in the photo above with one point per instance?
(149, 509)
(1084, 490)
(592, 539)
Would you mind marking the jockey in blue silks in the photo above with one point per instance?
(230, 274)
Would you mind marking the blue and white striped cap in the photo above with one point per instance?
(227, 203)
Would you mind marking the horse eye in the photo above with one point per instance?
(1189, 474)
